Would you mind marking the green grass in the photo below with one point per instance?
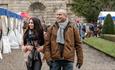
(102, 45)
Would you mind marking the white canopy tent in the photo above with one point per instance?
(12, 35)
(103, 14)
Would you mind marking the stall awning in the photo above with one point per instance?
(8, 13)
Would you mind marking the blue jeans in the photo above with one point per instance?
(61, 65)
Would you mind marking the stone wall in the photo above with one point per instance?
(47, 14)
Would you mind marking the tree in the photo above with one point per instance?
(90, 9)
(108, 27)
(107, 5)
(86, 8)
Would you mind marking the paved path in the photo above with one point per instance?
(93, 60)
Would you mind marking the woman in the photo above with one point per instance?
(33, 39)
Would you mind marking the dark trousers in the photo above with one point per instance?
(36, 65)
(61, 65)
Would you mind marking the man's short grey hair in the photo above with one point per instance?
(62, 11)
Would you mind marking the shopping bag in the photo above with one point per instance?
(6, 44)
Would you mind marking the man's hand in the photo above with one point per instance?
(50, 63)
(39, 49)
(78, 65)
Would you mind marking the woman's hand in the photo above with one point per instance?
(29, 47)
(24, 49)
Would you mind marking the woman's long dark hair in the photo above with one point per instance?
(38, 31)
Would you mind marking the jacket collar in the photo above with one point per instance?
(57, 25)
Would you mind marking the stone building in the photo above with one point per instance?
(44, 9)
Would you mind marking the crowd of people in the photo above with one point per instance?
(87, 30)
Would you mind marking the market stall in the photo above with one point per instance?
(11, 30)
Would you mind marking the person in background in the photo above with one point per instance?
(61, 43)
(26, 17)
(1, 44)
(33, 40)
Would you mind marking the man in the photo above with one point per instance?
(61, 42)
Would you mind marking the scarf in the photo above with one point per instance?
(60, 32)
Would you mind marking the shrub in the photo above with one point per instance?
(108, 27)
(108, 37)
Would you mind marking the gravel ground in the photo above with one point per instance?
(93, 60)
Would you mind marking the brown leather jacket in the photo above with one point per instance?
(72, 44)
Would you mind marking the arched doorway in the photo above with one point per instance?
(37, 9)
(37, 6)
